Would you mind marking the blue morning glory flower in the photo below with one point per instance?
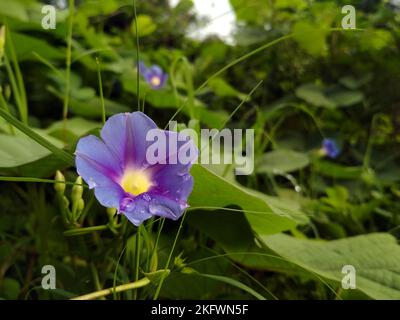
(330, 148)
(154, 75)
(117, 167)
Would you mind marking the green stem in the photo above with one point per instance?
(137, 258)
(68, 63)
(160, 227)
(3, 104)
(96, 279)
(18, 73)
(15, 90)
(103, 108)
(169, 258)
(137, 55)
(102, 293)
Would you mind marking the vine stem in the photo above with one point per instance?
(102, 293)
(137, 258)
(169, 258)
(68, 65)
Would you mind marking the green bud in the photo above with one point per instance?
(179, 262)
(111, 213)
(81, 205)
(368, 176)
(2, 41)
(59, 187)
(77, 191)
(78, 209)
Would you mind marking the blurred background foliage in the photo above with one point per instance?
(342, 85)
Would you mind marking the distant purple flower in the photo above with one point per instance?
(116, 166)
(154, 75)
(330, 148)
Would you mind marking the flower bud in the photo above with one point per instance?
(77, 191)
(59, 186)
(2, 41)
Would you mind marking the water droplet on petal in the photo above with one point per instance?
(91, 183)
(126, 204)
(146, 197)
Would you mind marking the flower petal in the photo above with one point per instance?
(150, 204)
(110, 195)
(125, 134)
(173, 178)
(135, 209)
(95, 163)
(156, 70)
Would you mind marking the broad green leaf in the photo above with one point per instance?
(345, 98)
(375, 257)
(18, 150)
(233, 233)
(15, 8)
(26, 45)
(292, 4)
(224, 89)
(311, 37)
(314, 95)
(215, 191)
(145, 25)
(281, 161)
(334, 170)
(75, 127)
(61, 154)
(9, 288)
(254, 12)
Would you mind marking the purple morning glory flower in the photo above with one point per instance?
(154, 75)
(117, 166)
(330, 148)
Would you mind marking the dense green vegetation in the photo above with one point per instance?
(290, 72)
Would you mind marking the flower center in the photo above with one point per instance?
(155, 81)
(135, 182)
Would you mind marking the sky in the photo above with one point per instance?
(220, 14)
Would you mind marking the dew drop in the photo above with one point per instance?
(92, 184)
(126, 204)
(146, 197)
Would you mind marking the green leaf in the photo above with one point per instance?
(338, 171)
(145, 25)
(311, 37)
(75, 127)
(26, 45)
(215, 191)
(314, 95)
(282, 161)
(224, 89)
(254, 12)
(9, 288)
(15, 9)
(345, 98)
(61, 154)
(376, 258)
(19, 150)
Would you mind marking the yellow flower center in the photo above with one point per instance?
(135, 181)
(155, 81)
